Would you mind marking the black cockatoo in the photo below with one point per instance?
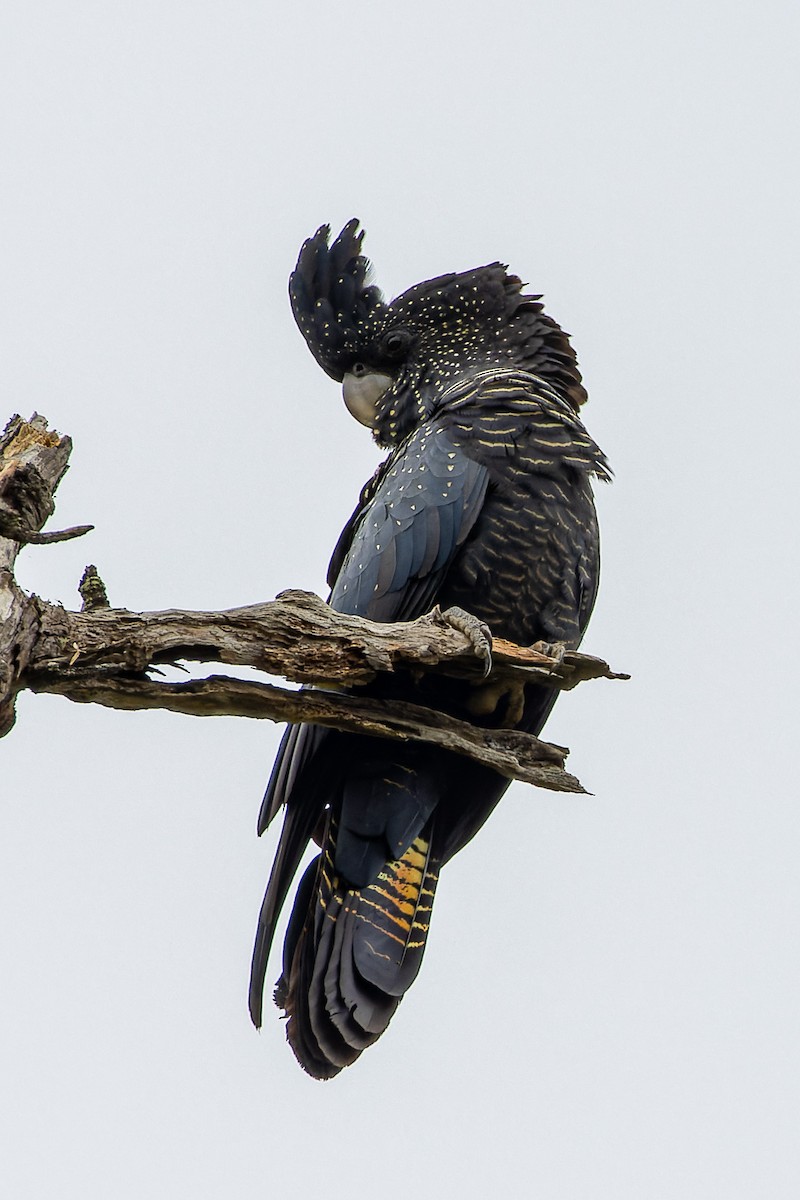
(484, 503)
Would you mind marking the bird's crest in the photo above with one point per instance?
(333, 301)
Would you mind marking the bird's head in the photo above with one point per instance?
(395, 361)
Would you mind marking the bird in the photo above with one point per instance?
(483, 507)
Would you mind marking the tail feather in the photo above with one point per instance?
(394, 915)
(358, 953)
(302, 1038)
(334, 1001)
(370, 1009)
(294, 838)
(331, 1041)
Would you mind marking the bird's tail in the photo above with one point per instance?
(351, 954)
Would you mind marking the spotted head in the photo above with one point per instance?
(396, 360)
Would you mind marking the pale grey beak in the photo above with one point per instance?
(362, 389)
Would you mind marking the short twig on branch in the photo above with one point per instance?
(102, 655)
(92, 590)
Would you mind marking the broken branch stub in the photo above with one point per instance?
(33, 460)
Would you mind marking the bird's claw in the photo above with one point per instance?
(478, 632)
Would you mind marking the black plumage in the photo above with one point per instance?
(484, 502)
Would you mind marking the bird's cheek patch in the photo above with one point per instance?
(362, 393)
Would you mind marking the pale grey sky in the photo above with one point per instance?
(608, 1006)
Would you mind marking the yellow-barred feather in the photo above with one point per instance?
(360, 951)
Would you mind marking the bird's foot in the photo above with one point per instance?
(477, 631)
(555, 650)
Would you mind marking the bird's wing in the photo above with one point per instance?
(346, 536)
(420, 508)
(414, 514)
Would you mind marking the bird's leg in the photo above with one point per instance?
(503, 697)
(477, 631)
(506, 698)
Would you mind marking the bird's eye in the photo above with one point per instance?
(396, 343)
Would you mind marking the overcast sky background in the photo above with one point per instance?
(608, 1009)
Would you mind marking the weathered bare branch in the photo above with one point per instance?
(297, 636)
(103, 655)
(511, 753)
(30, 537)
(32, 462)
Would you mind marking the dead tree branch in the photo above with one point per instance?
(103, 655)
